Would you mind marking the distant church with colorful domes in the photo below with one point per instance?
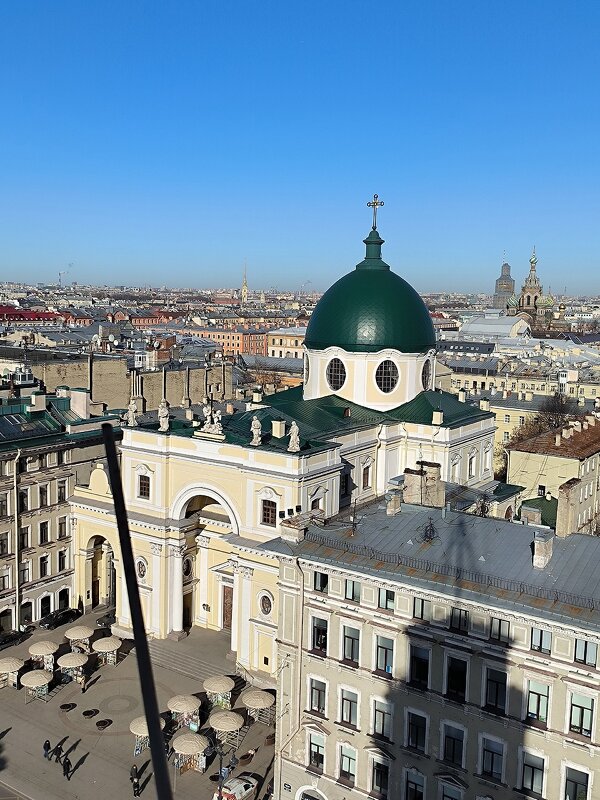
(539, 309)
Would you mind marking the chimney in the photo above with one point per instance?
(585, 425)
(393, 504)
(557, 440)
(577, 426)
(493, 390)
(437, 417)
(80, 402)
(278, 428)
(528, 396)
(542, 549)
(38, 401)
(189, 414)
(581, 400)
(504, 394)
(548, 496)
(229, 409)
(484, 404)
(590, 419)
(257, 397)
(462, 395)
(566, 432)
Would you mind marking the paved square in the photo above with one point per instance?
(102, 760)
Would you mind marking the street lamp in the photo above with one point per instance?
(218, 750)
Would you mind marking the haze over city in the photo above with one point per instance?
(168, 144)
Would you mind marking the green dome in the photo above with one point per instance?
(371, 309)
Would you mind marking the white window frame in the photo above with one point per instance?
(309, 679)
(344, 687)
(419, 712)
(457, 725)
(461, 656)
(483, 735)
(378, 699)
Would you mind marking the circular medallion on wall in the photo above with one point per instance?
(386, 376)
(335, 374)
(266, 604)
(187, 567)
(141, 568)
(426, 375)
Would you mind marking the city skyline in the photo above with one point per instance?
(170, 147)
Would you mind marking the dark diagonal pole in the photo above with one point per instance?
(157, 745)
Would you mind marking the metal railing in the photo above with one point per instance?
(452, 571)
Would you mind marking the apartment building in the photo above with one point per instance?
(47, 446)
(286, 342)
(432, 655)
(564, 465)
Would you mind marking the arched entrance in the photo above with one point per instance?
(26, 613)
(205, 595)
(100, 578)
(6, 620)
(45, 606)
(63, 599)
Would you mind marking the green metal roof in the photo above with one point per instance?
(371, 309)
(549, 509)
(420, 410)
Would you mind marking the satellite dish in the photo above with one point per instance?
(111, 337)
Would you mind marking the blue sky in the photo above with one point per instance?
(167, 142)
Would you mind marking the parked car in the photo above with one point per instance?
(8, 638)
(239, 788)
(60, 617)
(108, 619)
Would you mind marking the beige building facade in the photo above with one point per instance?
(397, 681)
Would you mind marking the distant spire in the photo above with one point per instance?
(375, 203)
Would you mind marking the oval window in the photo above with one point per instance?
(336, 374)
(386, 376)
(426, 375)
(266, 604)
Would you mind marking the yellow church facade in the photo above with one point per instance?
(203, 495)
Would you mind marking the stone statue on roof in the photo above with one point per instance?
(294, 445)
(256, 429)
(163, 416)
(131, 412)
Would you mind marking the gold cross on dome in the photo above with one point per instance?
(375, 203)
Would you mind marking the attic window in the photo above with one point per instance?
(347, 411)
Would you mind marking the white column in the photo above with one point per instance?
(175, 589)
(157, 588)
(246, 605)
(235, 612)
(202, 575)
(125, 613)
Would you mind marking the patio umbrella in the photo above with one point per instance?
(44, 648)
(218, 684)
(107, 645)
(36, 678)
(257, 699)
(226, 721)
(190, 744)
(79, 632)
(8, 665)
(72, 660)
(139, 726)
(183, 704)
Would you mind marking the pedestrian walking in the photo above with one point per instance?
(136, 786)
(57, 753)
(47, 748)
(133, 773)
(67, 768)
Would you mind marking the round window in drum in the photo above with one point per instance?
(386, 376)
(336, 374)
